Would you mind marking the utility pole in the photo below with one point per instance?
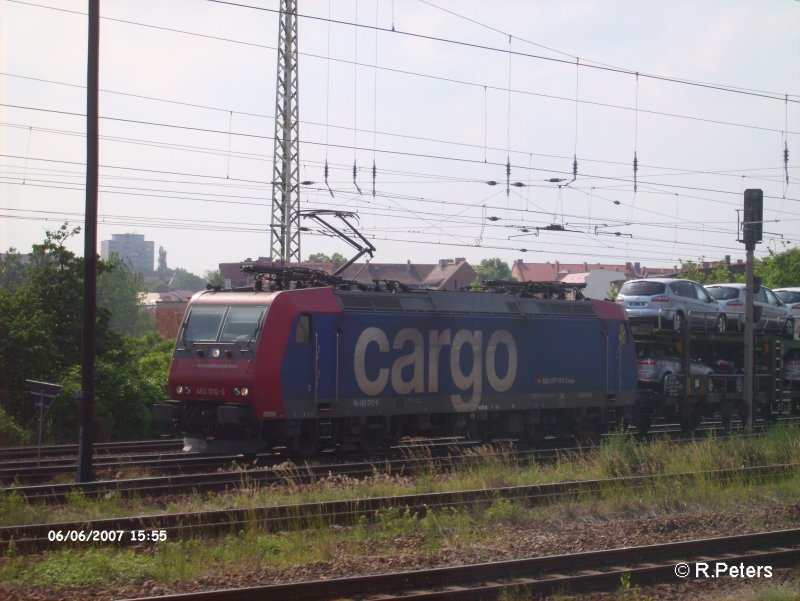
(752, 225)
(285, 224)
(86, 395)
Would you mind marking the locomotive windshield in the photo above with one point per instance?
(242, 323)
(223, 324)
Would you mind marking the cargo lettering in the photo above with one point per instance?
(411, 363)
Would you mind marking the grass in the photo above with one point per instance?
(618, 455)
(426, 533)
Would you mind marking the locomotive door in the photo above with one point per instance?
(615, 336)
(325, 361)
(304, 365)
(313, 368)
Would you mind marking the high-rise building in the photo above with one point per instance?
(132, 248)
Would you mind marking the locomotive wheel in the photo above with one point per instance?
(305, 446)
(373, 442)
(727, 418)
(689, 420)
(643, 423)
(590, 434)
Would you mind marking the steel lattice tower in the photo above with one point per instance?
(284, 229)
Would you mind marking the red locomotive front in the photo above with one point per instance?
(224, 378)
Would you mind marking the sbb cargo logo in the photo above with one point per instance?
(406, 372)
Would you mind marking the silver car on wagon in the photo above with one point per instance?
(771, 314)
(672, 302)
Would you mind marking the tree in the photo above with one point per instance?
(214, 277)
(119, 291)
(12, 269)
(715, 275)
(162, 261)
(40, 339)
(779, 269)
(323, 258)
(185, 280)
(493, 269)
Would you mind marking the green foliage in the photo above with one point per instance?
(776, 270)
(506, 511)
(214, 277)
(11, 433)
(779, 269)
(185, 280)
(493, 269)
(715, 275)
(12, 269)
(118, 292)
(394, 523)
(61, 569)
(323, 258)
(125, 390)
(41, 337)
(162, 270)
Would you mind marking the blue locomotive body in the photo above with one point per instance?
(481, 365)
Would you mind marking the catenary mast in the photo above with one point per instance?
(284, 228)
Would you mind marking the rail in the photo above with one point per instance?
(533, 577)
(38, 537)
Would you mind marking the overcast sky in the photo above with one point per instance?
(430, 93)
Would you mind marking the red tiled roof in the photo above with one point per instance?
(444, 275)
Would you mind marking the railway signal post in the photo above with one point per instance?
(752, 222)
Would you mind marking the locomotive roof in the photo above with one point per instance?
(429, 301)
(442, 301)
(232, 297)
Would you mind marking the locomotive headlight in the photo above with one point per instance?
(245, 391)
(236, 392)
(215, 353)
(179, 389)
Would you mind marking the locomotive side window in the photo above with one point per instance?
(203, 324)
(242, 324)
(303, 331)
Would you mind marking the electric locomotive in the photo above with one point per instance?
(306, 366)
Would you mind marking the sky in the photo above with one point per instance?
(442, 96)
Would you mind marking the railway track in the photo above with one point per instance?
(39, 537)
(100, 449)
(113, 467)
(114, 459)
(234, 471)
(261, 477)
(28, 471)
(533, 577)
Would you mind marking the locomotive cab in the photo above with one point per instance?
(211, 376)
